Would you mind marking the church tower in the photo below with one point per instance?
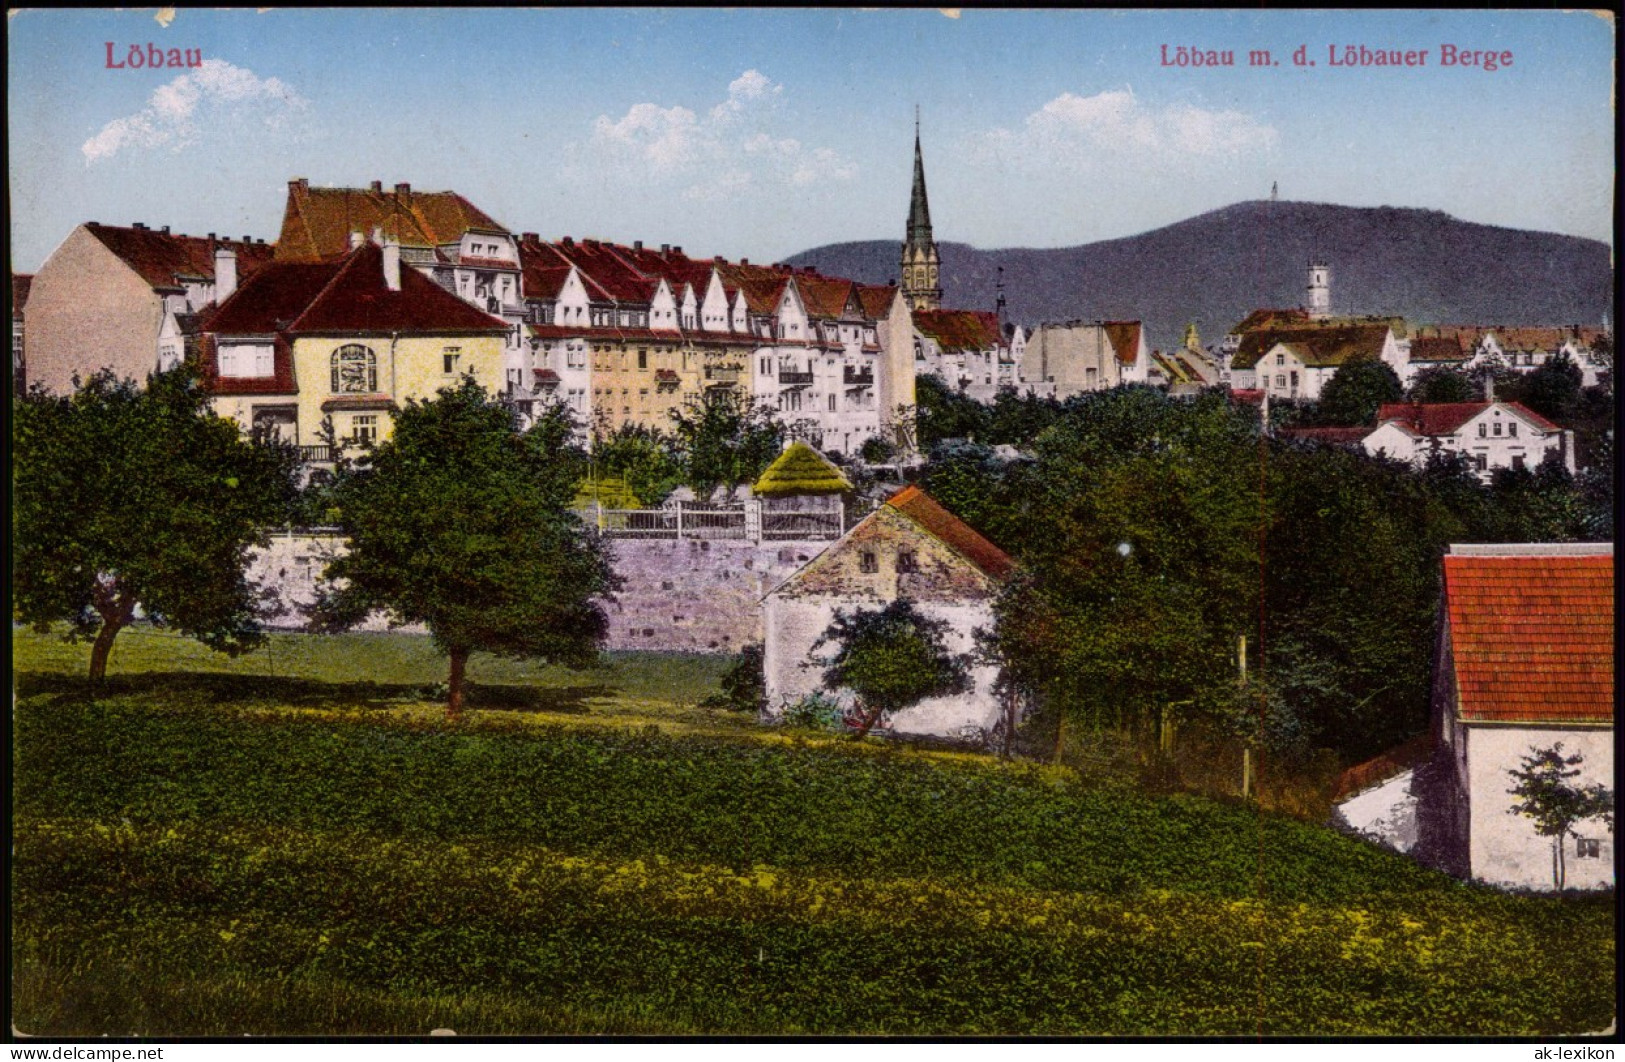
(920, 264)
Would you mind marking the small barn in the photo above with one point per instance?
(913, 548)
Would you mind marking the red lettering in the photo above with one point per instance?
(110, 64)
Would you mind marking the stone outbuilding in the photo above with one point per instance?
(913, 548)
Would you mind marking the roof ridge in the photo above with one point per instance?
(343, 268)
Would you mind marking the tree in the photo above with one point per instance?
(643, 458)
(891, 658)
(724, 440)
(1546, 795)
(943, 413)
(1440, 384)
(127, 498)
(1552, 389)
(462, 522)
(1354, 392)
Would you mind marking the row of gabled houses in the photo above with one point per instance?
(1492, 435)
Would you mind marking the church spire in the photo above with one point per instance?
(920, 264)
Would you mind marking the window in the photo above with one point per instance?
(1294, 375)
(1280, 380)
(1518, 462)
(1497, 428)
(643, 359)
(1481, 462)
(905, 561)
(364, 427)
(1483, 431)
(1280, 359)
(1588, 848)
(1512, 428)
(449, 359)
(241, 359)
(868, 562)
(355, 370)
(832, 403)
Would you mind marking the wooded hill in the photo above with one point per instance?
(1214, 268)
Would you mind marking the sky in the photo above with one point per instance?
(761, 133)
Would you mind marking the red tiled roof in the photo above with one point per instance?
(959, 536)
(1446, 418)
(20, 283)
(348, 295)
(1125, 339)
(876, 298)
(1270, 319)
(1341, 344)
(1380, 768)
(823, 296)
(317, 222)
(160, 258)
(1532, 637)
(1438, 348)
(279, 383)
(959, 329)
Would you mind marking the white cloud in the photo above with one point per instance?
(174, 110)
(731, 150)
(1074, 131)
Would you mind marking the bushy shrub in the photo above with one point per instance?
(816, 711)
(744, 685)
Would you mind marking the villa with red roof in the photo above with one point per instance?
(1493, 434)
(311, 348)
(913, 548)
(1525, 661)
(125, 299)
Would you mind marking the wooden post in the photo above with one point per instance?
(679, 520)
(1246, 750)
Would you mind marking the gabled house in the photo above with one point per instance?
(1515, 348)
(1296, 363)
(125, 299)
(1081, 356)
(1525, 661)
(1493, 434)
(965, 350)
(304, 348)
(913, 548)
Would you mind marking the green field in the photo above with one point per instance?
(296, 842)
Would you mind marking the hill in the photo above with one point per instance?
(1214, 268)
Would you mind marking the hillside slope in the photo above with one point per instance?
(1214, 268)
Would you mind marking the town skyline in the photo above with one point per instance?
(717, 136)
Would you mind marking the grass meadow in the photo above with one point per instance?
(296, 842)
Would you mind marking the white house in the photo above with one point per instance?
(1525, 662)
(1494, 434)
(1297, 363)
(911, 548)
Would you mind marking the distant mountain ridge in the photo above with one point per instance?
(1213, 269)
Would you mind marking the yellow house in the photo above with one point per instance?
(314, 349)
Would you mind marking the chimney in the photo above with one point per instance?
(568, 242)
(378, 235)
(378, 187)
(139, 225)
(392, 264)
(246, 237)
(211, 236)
(665, 249)
(637, 245)
(165, 230)
(225, 273)
(529, 237)
(744, 261)
(403, 191)
(299, 185)
(677, 250)
(355, 239)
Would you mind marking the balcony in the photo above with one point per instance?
(723, 375)
(321, 454)
(791, 378)
(859, 377)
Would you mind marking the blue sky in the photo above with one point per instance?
(762, 133)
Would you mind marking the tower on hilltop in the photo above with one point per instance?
(920, 264)
(1320, 291)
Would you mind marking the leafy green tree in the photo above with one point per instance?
(1144, 568)
(877, 451)
(1551, 389)
(891, 658)
(643, 458)
(1016, 419)
(461, 522)
(127, 498)
(744, 684)
(1351, 397)
(725, 441)
(1546, 794)
(1441, 384)
(944, 413)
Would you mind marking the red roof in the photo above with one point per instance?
(1446, 418)
(959, 329)
(1270, 319)
(1438, 348)
(348, 295)
(1378, 769)
(1532, 637)
(876, 298)
(1332, 436)
(959, 536)
(162, 258)
(1125, 339)
(317, 222)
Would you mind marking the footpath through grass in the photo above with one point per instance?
(219, 854)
